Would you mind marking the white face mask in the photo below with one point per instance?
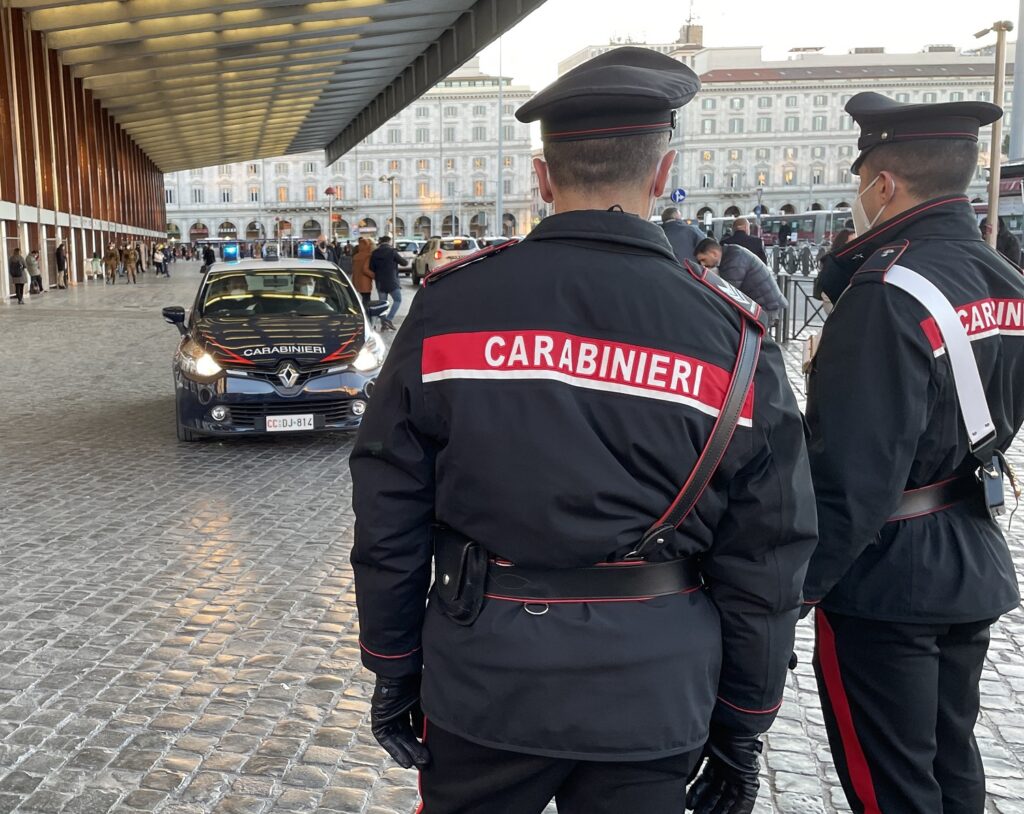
(307, 290)
(861, 222)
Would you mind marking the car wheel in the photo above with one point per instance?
(183, 432)
(415, 279)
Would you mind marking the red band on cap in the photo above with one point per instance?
(609, 129)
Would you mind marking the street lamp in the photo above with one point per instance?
(330, 192)
(390, 181)
(996, 147)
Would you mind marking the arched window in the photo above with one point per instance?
(227, 230)
(173, 232)
(399, 227)
(788, 209)
(478, 225)
(367, 226)
(341, 228)
(284, 228)
(311, 230)
(198, 231)
(254, 231)
(732, 212)
(816, 207)
(446, 226)
(422, 226)
(509, 224)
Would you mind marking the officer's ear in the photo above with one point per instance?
(661, 176)
(540, 167)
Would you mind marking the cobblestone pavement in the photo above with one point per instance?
(177, 624)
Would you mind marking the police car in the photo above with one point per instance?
(273, 345)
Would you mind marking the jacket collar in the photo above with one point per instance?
(949, 217)
(605, 226)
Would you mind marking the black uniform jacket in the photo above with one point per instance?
(884, 417)
(549, 401)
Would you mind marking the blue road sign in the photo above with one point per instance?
(678, 196)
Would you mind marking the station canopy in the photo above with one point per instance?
(196, 83)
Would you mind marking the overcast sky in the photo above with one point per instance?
(532, 50)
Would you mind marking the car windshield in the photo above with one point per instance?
(302, 292)
(457, 245)
(407, 246)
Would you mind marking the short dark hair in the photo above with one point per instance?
(384, 239)
(931, 167)
(604, 162)
(707, 244)
(669, 213)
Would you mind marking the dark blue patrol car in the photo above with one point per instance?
(273, 346)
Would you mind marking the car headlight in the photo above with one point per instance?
(372, 355)
(196, 362)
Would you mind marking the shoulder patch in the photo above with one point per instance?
(728, 292)
(462, 262)
(881, 261)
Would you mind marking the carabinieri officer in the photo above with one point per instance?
(917, 386)
(619, 522)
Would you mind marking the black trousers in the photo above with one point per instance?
(465, 778)
(900, 703)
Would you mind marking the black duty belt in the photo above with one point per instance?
(620, 581)
(936, 497)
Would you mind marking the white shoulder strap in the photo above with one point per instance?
(969, 390)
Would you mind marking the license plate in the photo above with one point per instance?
(288, 423)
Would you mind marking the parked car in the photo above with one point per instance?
(273, 346)
(440, 250)
(408, 249)
(492, 240)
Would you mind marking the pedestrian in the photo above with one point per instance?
(344, 261)
(362, 274)
(575, 644)
(62, 266)
(158, 260)
(209, 258)
(741, 237)
(739, 267)
(95, 265)
(112, 260)
(384, 263)
(843, 236)
(917, 385)
(131, 261)
(34, 273)
(140, 265)
(1006, 242)
(320, 250)
(683, 236)
(19, 275)
(785, 234)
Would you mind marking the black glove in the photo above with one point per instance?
(393, 708)
(728, 782)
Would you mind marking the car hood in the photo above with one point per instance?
(266, 341)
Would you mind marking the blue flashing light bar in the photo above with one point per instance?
(230, 251)
(306, 250)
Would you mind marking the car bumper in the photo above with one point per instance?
(334, 400)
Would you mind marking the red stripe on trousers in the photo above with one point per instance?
(419, 774)
(856, 763)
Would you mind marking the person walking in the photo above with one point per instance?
(362, 274)
(741, 237)
(916, 390)
(131, 263)
(683, 236)
(112, 261)
(209, 258)
(1006, 242)
(34, 272)
(344, 261)
(589, 637)
(62, 266)
(159, 260)
(384, 263)
(95, 266)
(739, 267)
(18, 272)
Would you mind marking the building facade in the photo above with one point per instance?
(776, 133)
(440, 156)
(68, 172)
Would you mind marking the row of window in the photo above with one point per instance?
(763, 124)
(454, 111)
(789, 177)
(367, 191)
(824, 99)
(424, 135)
(788, 153)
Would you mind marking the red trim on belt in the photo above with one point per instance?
(532, 600)
(751, 711)
(382, 656)
(856, 763)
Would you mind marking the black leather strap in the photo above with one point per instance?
(616, 581)
(936, 497)
(714, 450)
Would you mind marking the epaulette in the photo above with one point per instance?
(884, 258)
(728, 292)
(443, 271)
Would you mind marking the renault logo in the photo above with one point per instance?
(288, 375)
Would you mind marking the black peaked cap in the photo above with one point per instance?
(627, 91)
(884, 121)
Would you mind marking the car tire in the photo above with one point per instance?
(415, 280)
(183, 432)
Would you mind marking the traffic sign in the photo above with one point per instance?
(678, 196)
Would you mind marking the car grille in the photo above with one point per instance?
(305, 374)
(246, 415)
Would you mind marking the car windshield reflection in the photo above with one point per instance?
(247, 293)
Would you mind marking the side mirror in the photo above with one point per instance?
(175, 315)
(377, 309)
